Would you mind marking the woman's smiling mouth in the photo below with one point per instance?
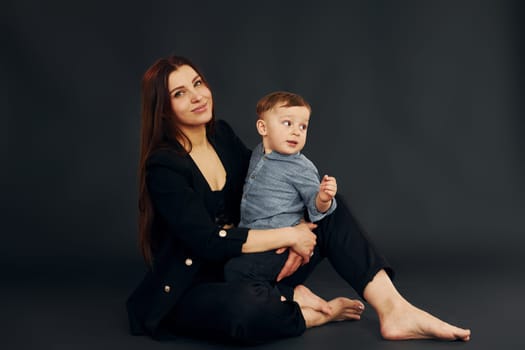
(201, 108)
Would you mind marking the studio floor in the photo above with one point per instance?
(83, 308)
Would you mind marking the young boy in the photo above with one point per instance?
(281, 183)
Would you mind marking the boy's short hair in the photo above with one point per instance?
(281, 98)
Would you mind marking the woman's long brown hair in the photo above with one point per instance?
(157, 130)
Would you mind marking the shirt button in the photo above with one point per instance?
(188, 262)
(223, 233)
(167, 288)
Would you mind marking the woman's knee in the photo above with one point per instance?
(257, 314)
(250, 301)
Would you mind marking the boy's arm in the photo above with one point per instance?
(327, 191)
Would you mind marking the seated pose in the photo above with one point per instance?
(281, 183)
(191, 175)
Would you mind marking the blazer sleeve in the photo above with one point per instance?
(170, 183)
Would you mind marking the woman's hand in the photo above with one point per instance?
(291, 265)
(295, 259)
(304, 240)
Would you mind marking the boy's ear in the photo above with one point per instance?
(261, 127)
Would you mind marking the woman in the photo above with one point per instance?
(191, 172)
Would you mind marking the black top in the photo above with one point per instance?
(187, 234)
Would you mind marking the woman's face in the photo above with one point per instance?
(191, 100)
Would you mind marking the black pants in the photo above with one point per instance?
(251, 311)
(264, 266)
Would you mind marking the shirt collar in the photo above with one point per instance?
(276, 155)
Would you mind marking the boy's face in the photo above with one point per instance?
(283, 129)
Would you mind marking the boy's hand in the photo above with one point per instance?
(327, 188)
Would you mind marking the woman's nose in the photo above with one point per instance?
(196, 97)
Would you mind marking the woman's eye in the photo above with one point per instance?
(178, 94)
(197, 83)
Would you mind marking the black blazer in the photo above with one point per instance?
(185, 234)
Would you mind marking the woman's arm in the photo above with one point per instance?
(299, 238)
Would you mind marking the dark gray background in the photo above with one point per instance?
(417, 110)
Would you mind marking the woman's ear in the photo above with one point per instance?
(261, 127)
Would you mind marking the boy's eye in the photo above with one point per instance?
(287, 123)
(303, 127)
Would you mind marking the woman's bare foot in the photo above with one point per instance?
(307, 299)
(405, 321)
(401, 320)
(317, 311)
(343, 309)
